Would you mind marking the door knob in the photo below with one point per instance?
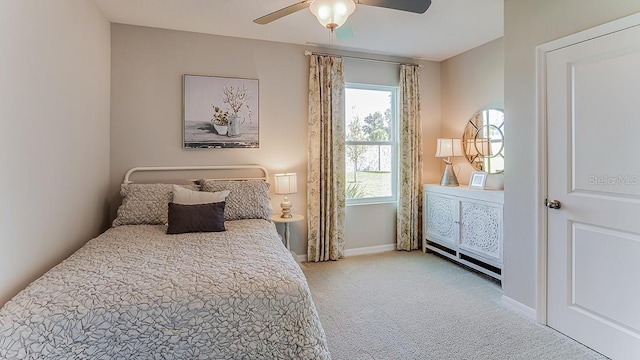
(553, 204)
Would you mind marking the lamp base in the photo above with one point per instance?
(286, 208)
(449, 177)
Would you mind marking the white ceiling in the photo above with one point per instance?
(448, 28)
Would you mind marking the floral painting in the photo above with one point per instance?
(220, 112)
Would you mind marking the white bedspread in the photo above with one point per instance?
(136, 293)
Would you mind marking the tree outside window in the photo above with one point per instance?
(370, 144)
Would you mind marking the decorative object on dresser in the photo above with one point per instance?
(286, 184)
(478, 180)
(464, 225)
(220, 112)
(446, 149)
(483, 141)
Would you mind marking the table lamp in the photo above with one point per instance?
(446, 149)
(286, 184)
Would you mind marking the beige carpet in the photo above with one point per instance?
(400, 305)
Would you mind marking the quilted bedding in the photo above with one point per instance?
(136, 293)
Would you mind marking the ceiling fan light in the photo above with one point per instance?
(332, 13)
(340, 9)
(324, 13)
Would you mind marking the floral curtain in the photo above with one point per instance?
(409, 226)
(326, 172)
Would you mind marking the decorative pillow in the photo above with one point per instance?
(184, 196)
(196, 218)
(145, 204)
(248, 199)
(167, 181)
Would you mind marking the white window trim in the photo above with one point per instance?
(395, 108)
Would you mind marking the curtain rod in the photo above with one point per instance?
(307, 53)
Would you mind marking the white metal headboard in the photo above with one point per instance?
(264, 171)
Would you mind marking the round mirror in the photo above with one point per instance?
(483, 141)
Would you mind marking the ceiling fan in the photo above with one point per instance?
(334, 13)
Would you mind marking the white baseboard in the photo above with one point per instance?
(357, 251)
(518, 307)
(370, 250)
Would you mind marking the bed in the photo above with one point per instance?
(136, 292)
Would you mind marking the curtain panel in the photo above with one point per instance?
(326, 165)
(409, 219)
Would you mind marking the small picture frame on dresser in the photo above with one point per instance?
(478, 180)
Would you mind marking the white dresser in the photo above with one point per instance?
(464, 225)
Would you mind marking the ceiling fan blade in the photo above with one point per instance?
(414, 6)
(282, 12)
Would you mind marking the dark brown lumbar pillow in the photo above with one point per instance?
(196, 218)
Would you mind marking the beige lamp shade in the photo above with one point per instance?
(286, 183)
(332, 13)
(449, 147)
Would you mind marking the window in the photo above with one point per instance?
(370, 152)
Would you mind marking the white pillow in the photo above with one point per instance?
(184, 196)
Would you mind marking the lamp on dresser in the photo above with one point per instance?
(286, 184)
(446, 149)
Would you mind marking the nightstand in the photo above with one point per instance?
(294, 218)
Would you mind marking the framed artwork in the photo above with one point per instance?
(478, 180)
(220, 112)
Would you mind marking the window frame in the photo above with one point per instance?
(393, 142)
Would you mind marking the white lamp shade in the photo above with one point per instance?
(332, 13)
(286, 183)
(449, 147)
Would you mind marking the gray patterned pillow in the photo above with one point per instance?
(145, 204)
(248, 199)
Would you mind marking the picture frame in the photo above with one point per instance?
(478, 180)
(220, 112)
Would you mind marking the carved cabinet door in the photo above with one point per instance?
(481, 230)
(442, 219)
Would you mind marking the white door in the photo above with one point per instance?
(593, 167)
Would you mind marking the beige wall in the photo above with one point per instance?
(527, 25)
(146, 108)
(54, 137)
(471, 81)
